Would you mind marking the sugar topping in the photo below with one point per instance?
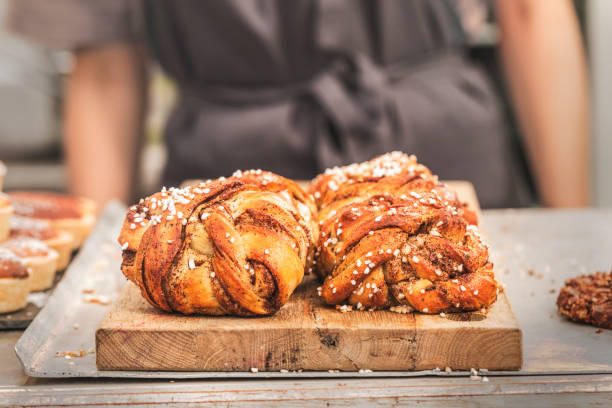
(25, 246)
(390, 164)
(8, 255)
(167, 204)
(176, 204)
(11, 266)
(30, 227)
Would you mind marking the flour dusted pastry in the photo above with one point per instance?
(75, 215)
(6, 211)
(40, 260)
(588, 299)
(235, 246)
(391, 235)
(59, 241)
(14, 282)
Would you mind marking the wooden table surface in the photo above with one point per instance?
(560, 390)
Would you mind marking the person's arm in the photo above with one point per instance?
(104, 110)
(546, 71)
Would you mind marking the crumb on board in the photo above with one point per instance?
(70, 354)
(76, 326)
(403, 309)
(254, 370)
(100, 299)
(344, 308)
(101, 264)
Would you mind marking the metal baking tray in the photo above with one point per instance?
(534, 252)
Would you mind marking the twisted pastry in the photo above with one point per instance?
(235, 246)
(391, 234)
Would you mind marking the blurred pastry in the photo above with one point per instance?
(6, 211)
(235, 246)
(392, 235)
(588, 299)
(75, 215)
(2, 174)
(14, 282)
(40, 260)
(60, 241)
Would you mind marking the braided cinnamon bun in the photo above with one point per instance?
(235, 246)
(391, 235)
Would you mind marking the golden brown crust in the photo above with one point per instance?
(392, 234)
(230, 246)
(4, 200)
(13, 294)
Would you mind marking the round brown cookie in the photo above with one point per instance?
(588, 299)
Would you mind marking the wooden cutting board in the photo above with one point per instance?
(306, 334)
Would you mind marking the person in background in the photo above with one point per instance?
(298, 86)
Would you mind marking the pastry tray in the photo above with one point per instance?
(20, 319)
(534, 252)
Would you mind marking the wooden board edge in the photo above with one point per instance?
(311, 350)
(499, 349)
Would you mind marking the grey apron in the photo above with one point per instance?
(298, 86)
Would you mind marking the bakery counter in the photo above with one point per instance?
(565, 363)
